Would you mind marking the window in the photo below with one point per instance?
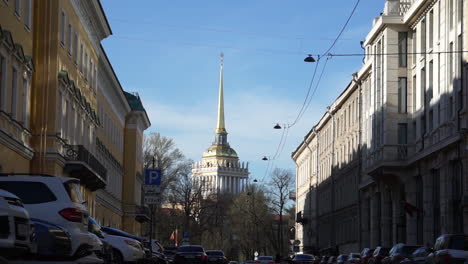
(402, 94)
(18, 7)
(431, 29)
(91, 72)
(81, 57)
(25, 112)
(413, 134)
(65, 120)
(85, 66)
(415, 43)
(63, 19)
(414, 93)
(2, 82)
(59, 114)
(14, 94)
(451, 14)
(423, 37)
(95, 79)
(460, 10)
(431, 81)
(27, 13)
(75, 48)
(423, 88)
(73, 190)
(29, 192)
(439, 121)
(402, 48)
(451, 68)
(69, 39)
(431, 120)
(439, 19)
(423, 125)
(450, 108)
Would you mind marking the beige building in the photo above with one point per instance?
(404, 139)
(62, 109)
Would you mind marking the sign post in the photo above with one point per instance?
(152, 189)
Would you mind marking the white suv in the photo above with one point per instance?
(57, 200)
(15, 226)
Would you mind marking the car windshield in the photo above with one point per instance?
(29, 192)
(117, 232)
(190, 249)
(354, 255)
(215, 253)
(265, 258)
(343, 257)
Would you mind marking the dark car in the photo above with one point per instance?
(216, 257)
(379, 254)
(341, 259)
(190, 254)
(303, 259)
(366, 255)
(169, 252)
(52, 241)
(324, 260)
(419, 256)
(354, 258)
(398, 253)
(450, 249)
(331, 260)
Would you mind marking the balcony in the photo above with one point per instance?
(397, 7)
(81, 164)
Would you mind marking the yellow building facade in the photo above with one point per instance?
(62, 109)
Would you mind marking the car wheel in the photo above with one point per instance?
(118, 258)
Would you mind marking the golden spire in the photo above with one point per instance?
(220, 127)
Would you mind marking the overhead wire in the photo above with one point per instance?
(308, 99)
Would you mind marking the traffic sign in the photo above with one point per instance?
(152, 177)
(151, 199)
(150, 189)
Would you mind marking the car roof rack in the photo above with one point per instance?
(4, 174)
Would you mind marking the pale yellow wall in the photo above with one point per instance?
(10, 161)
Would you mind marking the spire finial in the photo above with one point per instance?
(220, 127)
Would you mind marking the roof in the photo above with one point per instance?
(134, 102)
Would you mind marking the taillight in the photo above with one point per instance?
(271, 262)
(203, 257)
(258, 261)
(72, 214)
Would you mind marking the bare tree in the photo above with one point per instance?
(281, 183)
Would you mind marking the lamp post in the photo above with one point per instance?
(252, 193)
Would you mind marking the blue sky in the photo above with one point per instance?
(168, 52)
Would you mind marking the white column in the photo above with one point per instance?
(237, 185)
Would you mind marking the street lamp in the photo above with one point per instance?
(309, 58)
(277, 126)
(265, 158)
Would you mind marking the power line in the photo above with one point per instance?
(343, 28)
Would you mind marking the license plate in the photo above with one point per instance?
(190, 257)
(212, 259)
(22, 230)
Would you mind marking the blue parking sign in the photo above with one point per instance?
(152, 177)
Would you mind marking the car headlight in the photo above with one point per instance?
(133, 243)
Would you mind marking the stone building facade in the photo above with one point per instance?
(406, 153)
(63, 111)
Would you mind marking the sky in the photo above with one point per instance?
(169, 52)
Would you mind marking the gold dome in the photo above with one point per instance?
(220, 151)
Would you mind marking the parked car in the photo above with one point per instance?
(216, 257)
(331, 260)
(52, 242)
(379, 254)
(249, 262)
(57, 200)
(15, 226)
(158, 253)
(303, 259)
(125, 247)
(450, 249)
(169, 252)
(341, 259)
(265, 260)
(419, 256)
(354, 258)
(190, 254)
(107, 249)
(324, 259)
(366, 255)
(398, 253)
